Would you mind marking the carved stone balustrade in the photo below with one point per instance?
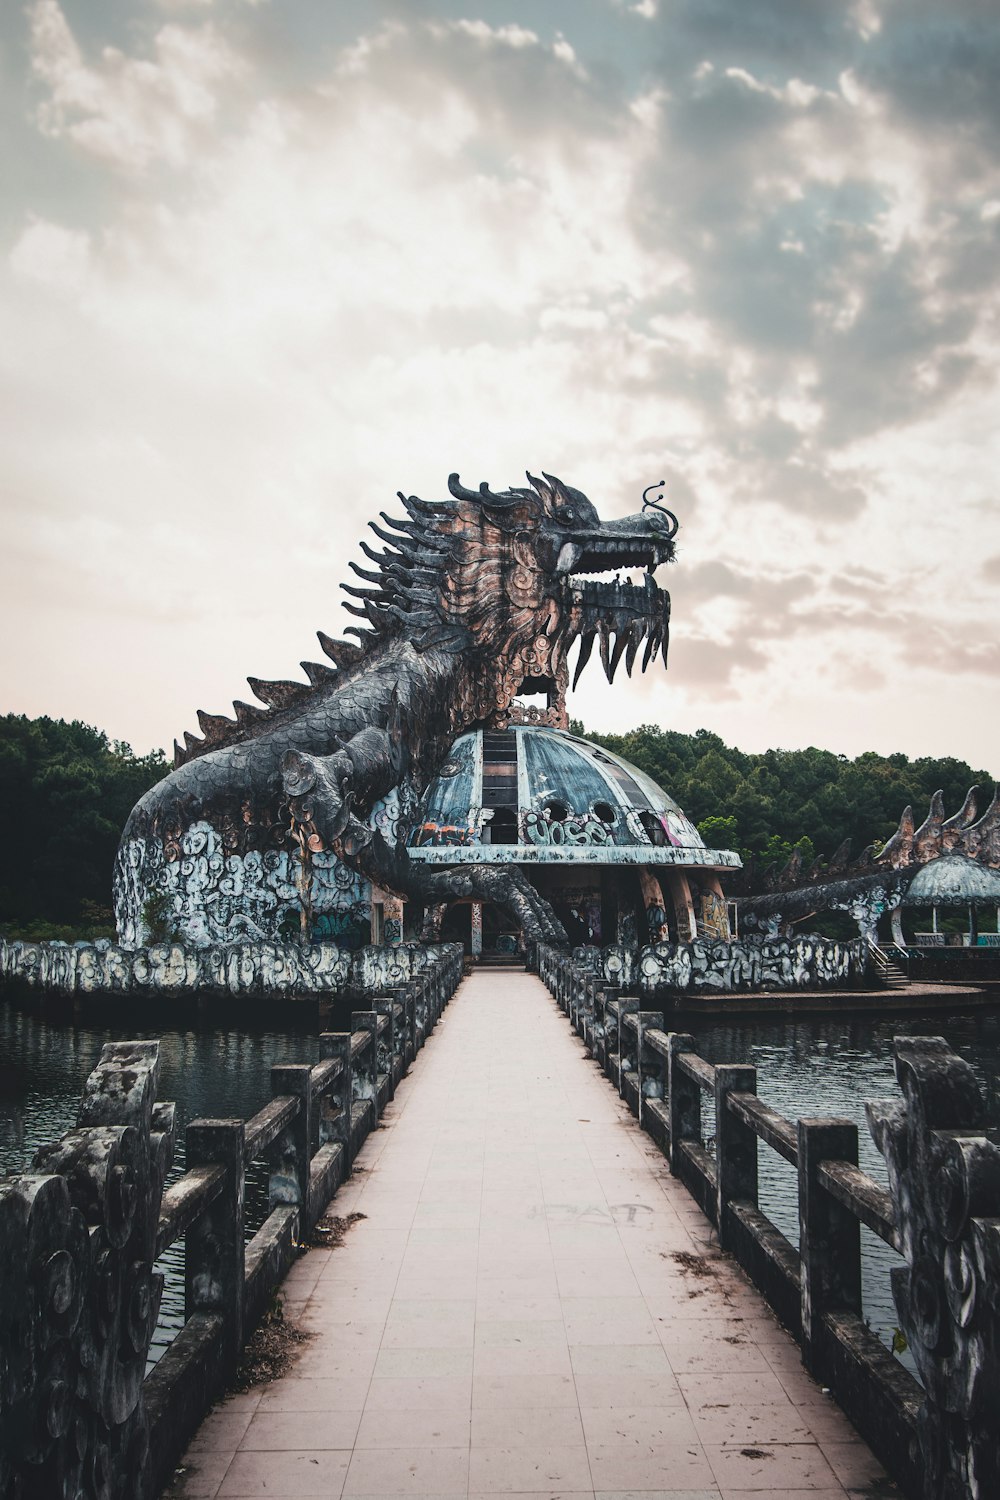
(938, 1438)
(81, 1233)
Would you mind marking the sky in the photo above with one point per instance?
(262, 265)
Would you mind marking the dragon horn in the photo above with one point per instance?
(459, 491)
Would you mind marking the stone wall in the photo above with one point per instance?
(250, 969)
(744, 964)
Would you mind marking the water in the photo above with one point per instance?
(222, 1072)
(220, 1067)
(810, 1066)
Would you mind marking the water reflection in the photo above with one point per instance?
(210, 1071)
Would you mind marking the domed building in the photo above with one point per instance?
(609, 849)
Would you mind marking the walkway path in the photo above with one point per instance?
(531, 1306)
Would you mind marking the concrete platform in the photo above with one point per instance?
(532, 1306)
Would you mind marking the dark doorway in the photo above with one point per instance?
(457, 926)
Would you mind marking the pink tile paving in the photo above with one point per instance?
(508, 1318)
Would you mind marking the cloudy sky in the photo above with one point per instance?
(262, 264)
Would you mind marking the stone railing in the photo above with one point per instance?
(81, 1233)
(942, 1213)
(248, 969)
(740, 965)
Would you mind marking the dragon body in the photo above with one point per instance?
(468, 603)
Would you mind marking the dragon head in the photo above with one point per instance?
(505, 576)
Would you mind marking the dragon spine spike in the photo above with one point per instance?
(992, 813)
(277, 694)
(381, 558)
(374, 594)
(214, 726)
(966, 814)
(318, 672)
(342, 653)
(192, 743)
(179, 755)
(248, 713)
(365, 573)
(384, 536)
(399, 524)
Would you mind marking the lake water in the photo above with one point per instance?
(218, 1072)
(809, 1065)
(219, 1067)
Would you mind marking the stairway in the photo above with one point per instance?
(886, 968)
(494, 960)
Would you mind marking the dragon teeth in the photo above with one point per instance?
(586, 647)
(605, 644)
(636, 632)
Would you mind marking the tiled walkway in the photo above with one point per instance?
(531, 1306)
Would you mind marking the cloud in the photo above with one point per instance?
(724, 250)
(52, 255)
(130, 112)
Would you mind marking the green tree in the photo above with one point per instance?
(65, 793)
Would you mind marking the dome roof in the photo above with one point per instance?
(532, 794)
(954, 880)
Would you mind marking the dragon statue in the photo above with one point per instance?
(470, 602)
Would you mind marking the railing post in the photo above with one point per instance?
(735, 1147)
(366, 1065)
(214, 1256)
(628, 1060)
(829, 1235)
(335, 1107)
(426, 986)
(684, 1097)
(599, 1047)
(650, 1065)
(385, 1041)
(293, 1151)
(613, 1015)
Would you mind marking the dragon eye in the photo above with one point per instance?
(566, 513)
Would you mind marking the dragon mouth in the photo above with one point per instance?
(618, 614)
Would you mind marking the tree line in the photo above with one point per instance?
(66, 790)
(65, 793)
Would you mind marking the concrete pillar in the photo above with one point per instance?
(214, 1254)
(392, 926)
(477, 928)
(687, 925)
(656, 907)
(829, 1237)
